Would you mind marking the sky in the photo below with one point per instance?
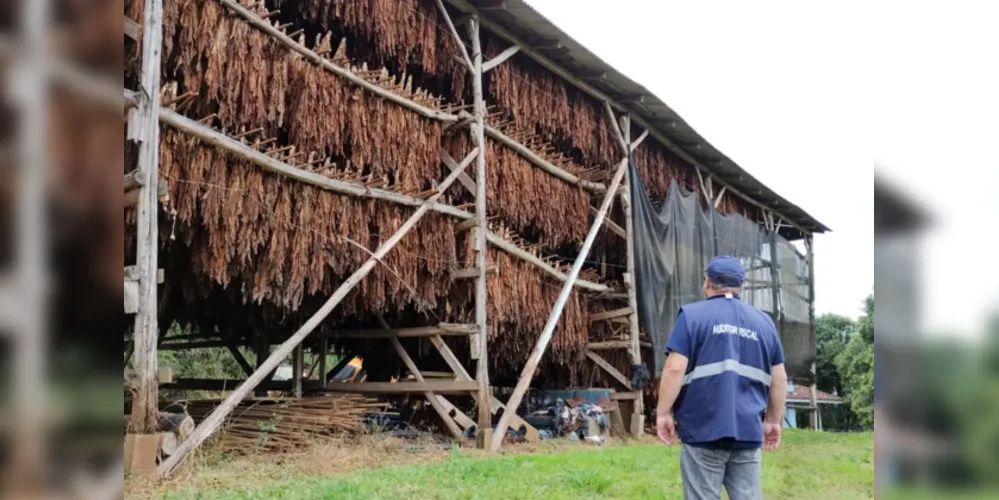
(809, 96)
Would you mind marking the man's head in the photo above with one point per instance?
(724, 275)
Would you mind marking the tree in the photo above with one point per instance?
(856, 367)
(832, 333)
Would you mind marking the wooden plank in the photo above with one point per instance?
(214, 420)
(606, 315)
(609, 368)
(146, 129)
(623, 396)
(542, 344)
(436, 386)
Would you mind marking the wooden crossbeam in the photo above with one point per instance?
(606, 315)
(473, 272)
(609, 368)
(436, 386)
(499, 59)
(132, 29)
(445, 329)
(431, 397)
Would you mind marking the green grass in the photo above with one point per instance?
(809, 465)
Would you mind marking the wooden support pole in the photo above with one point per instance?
(211, 423)
(463, 178)
(324, 354)
(297, 366)
(813, 389)
(146, 129)
(477, 129)
(542, 344)
(638, 416)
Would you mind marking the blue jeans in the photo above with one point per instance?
(705, 471)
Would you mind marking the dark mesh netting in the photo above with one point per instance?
(673, 247)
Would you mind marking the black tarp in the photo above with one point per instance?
(673, 246)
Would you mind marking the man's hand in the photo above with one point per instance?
(771, 436)
(666, 428)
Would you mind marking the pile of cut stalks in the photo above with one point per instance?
(285, 424)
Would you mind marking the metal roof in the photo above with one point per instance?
(520, 23)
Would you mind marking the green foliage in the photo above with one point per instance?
(856, 368)
(832, 333)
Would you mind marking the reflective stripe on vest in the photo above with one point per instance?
(729, 365)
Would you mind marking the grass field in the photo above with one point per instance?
(809, 465)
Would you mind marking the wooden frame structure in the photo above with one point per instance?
(145, 114)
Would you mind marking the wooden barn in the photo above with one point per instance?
(431, 185)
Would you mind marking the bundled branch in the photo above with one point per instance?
(282, 425)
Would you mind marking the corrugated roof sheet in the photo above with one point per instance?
(535, 31)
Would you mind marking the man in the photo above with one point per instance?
(725, 384)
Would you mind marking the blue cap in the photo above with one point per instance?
(726, 270)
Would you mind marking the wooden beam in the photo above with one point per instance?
(609, 345)
(516, 251)
(132, 29)
(609, 368)
(214, 420)
(623, 396)
(443, 329)
(453, 165)
(472, 272)
(146, 130)
(499, 59)
(532, 435)
(542, 344)
(484, 430)
(634, 331)
(435, 386)
(606, 315)
(134, 180)
(164, 375)
(616, 229)
(465, 225)
(431, 397)
(541, 163)
(238, 356)
(269, 164)
(639, 141)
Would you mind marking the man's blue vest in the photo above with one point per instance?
(726, 388)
